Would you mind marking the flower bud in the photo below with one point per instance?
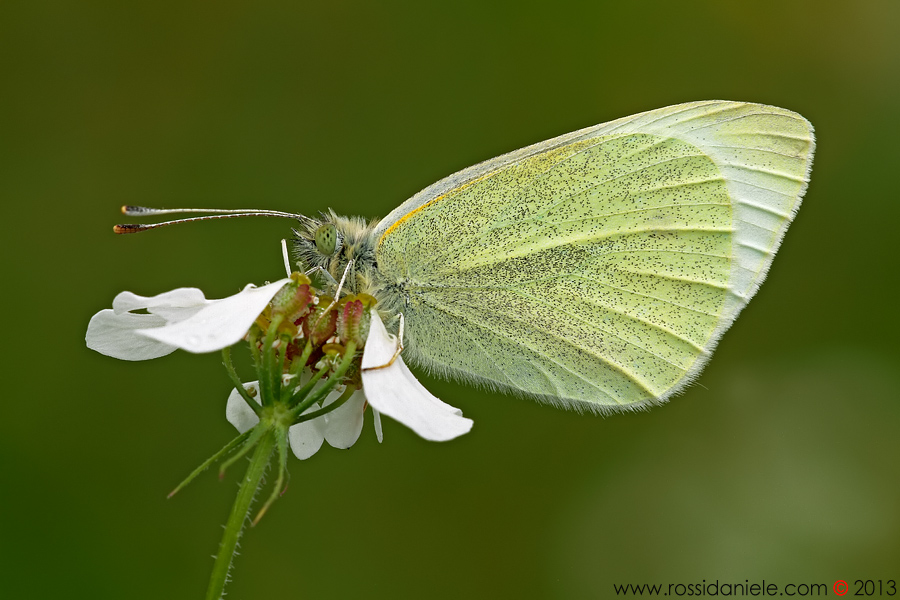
(294, 300)
(353, 322)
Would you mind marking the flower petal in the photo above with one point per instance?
(345, 423)
(114, 335)
(176, 305)
(306, 438)
(376, 416)
(396, 392)
(238, 413)
(218, 324)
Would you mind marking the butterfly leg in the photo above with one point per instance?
(324, 273)
(337, 293)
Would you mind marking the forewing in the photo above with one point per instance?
(599, 268)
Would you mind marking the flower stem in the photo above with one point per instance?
(256, 434)
(239, 513)
(327, 409)
(270, 377)
(228, 448)
(300, 362)
(303, 392)
(254, 346)
(238, 385)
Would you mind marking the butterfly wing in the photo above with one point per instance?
(598, 269)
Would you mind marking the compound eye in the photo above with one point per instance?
(326, 239)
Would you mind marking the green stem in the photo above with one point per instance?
(280, 367)
(239, 512)
(238, 385)
(228, 448)
(303, 392)
(300, 361)
(334, 405)
(254, 345)
(332, 381)
(270, 377)
(255, 434)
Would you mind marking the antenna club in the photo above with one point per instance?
(128, 228)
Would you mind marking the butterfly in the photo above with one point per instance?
(596, 270)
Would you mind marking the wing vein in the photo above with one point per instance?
(636, 210)
(788, 176)
(604, 331)
(682, 111)
(682, 279)
(642, 320)
(597, 184)
(495, 332)
(763, 207)
(756, 149)
(621, 289)
(568, 240)
(488, 230)
(760, 187)
(737, 118)
(490, 358)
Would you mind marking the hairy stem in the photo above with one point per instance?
(239, 513)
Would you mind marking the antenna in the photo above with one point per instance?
(211, 213)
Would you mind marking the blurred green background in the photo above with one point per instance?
(779, 464)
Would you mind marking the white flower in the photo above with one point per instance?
(340, 427)
(392, 390)
(182, 318)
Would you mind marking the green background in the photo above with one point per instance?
(779, 464)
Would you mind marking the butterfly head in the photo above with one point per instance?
(331, 242)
